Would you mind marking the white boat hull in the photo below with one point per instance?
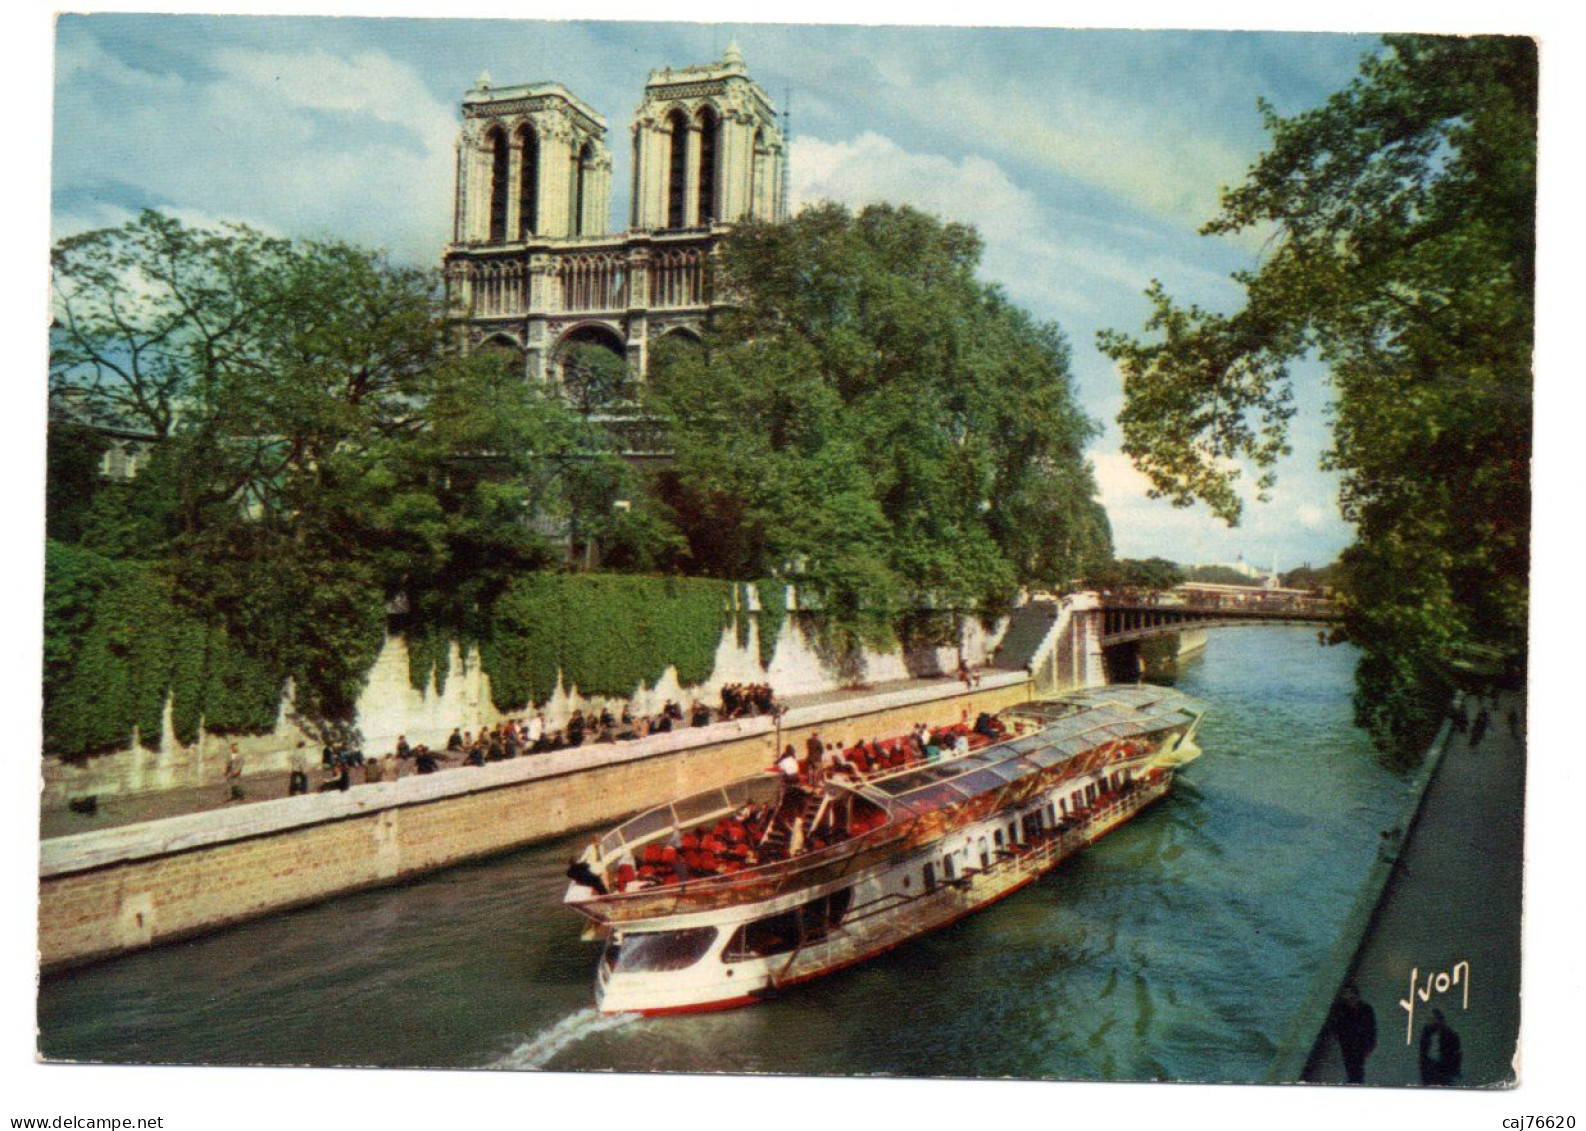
(931, 887)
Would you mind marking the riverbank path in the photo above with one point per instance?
(1454, 897)
(114, 811)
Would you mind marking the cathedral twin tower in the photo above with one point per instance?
(532, 264)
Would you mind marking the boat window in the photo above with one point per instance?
(996, 838)
(1051, 815)
(985, 855)
(981, 781)
(1049, 757)
(1013, 769)
(905, 782)
(948, 870)
(1013, 833)
(647, 824)
(650, 951)
(694, 810)
(930, 877)
(787, 930)
(932, 797)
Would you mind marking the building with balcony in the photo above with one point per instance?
(533, 267)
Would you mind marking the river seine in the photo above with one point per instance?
(1177, 947)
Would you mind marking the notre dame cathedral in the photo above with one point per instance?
(533, 266)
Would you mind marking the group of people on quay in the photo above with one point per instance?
(747, 700)
(344, 764)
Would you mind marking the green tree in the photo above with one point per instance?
(1402, 221)
(322, 456)
(874, 423)
(1218, 575)
(1139, 573)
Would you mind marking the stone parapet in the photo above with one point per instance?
(106, 892)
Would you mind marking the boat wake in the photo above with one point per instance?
(543, 1047)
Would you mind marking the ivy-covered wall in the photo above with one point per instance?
(606, 633)
(117, 645)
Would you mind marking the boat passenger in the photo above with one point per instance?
(788, 766)
(585, 876)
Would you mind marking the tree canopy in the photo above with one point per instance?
(1402, 242)
(321, 453)
(873, 422)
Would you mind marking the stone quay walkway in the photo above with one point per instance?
(1452, 906)
(115, 811)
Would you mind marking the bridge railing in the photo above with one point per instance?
(1253, 602)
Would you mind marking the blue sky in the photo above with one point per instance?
(1087, 159)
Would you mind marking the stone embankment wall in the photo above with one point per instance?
(107, 892)
(390, 706)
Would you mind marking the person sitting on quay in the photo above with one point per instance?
(341, 781)
(425, 760)
(456, 742)
(662, 724)
(374, 771)
(575, 729)
(698, 714)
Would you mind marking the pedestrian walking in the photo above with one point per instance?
(1354, 1024)
(1478, 729)
(1440, 1051)
(234, 773)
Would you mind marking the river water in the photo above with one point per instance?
(1177, 947)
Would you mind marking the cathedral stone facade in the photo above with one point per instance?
(533, 267)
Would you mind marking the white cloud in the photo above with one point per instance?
(368, 83)
(316, 143)
(1031, 249)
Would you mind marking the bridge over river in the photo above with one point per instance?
(1074, 640)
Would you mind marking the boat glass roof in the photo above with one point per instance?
(1074, 724)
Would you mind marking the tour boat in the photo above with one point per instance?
(732, 895)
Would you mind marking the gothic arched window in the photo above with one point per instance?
(709, 132)
(757, 172)
(677, 188)
(499, 165)
(529, 183)
(581, 166)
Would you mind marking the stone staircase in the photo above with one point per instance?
(1027, 632)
